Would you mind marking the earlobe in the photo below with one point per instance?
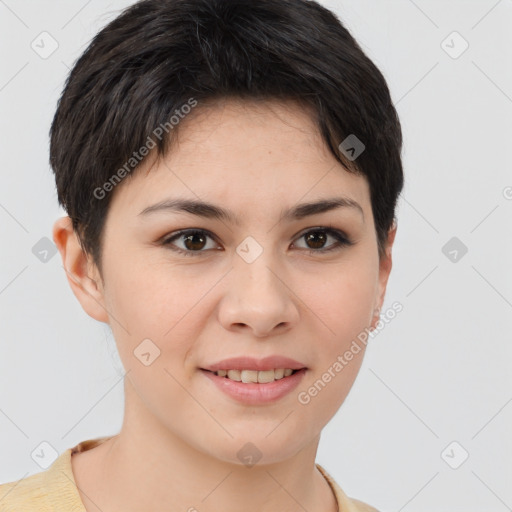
(83, 276)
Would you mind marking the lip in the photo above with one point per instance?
(251, 363)
(255, 393)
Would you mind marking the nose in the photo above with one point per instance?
(258, 299)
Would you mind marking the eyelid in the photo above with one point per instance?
(175, 235)
(342, 239)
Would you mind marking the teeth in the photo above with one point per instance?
(234, 375)
(278, 373)
(248, 376)
(265, 376)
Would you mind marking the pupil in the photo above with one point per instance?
(192, 245)
(312, 236)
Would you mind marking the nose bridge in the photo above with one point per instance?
(253, 275)
(257, 296)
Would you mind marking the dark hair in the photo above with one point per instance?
(158, 54)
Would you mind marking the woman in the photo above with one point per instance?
(230, 170)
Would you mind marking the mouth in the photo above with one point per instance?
(255, 387)
(255, 376)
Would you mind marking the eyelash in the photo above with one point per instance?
(342, 240)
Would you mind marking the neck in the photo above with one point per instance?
(149, 467)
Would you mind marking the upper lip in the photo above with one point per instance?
(250, 363)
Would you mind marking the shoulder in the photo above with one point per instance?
(49, 490)
(46, 491)
(25, 495)
(362, 507)
(345, 502)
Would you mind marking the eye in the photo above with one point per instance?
(194, 241)
(317, 237)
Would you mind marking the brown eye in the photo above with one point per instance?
(193, 241)
(316, 239)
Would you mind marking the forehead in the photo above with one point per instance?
(231, 128)
(242, 153)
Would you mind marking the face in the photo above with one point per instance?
(184, 289)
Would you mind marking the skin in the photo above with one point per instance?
(180, 434)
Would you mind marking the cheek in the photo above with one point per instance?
(162, 306)
(342, 300)
(341, 307)
(340, 303)
(153, 298)
(320, 398)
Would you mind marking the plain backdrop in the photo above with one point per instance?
(427, 425)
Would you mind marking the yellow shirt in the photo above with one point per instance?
(54, 490)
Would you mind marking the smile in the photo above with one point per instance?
(261, 377)
(246, 387)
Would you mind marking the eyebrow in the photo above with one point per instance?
(211, 211)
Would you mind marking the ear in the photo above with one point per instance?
(384, 270)
(83, 276)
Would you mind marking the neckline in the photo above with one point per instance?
(63, 465)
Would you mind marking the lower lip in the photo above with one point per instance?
(253, 393)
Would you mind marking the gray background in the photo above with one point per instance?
(439, 372)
